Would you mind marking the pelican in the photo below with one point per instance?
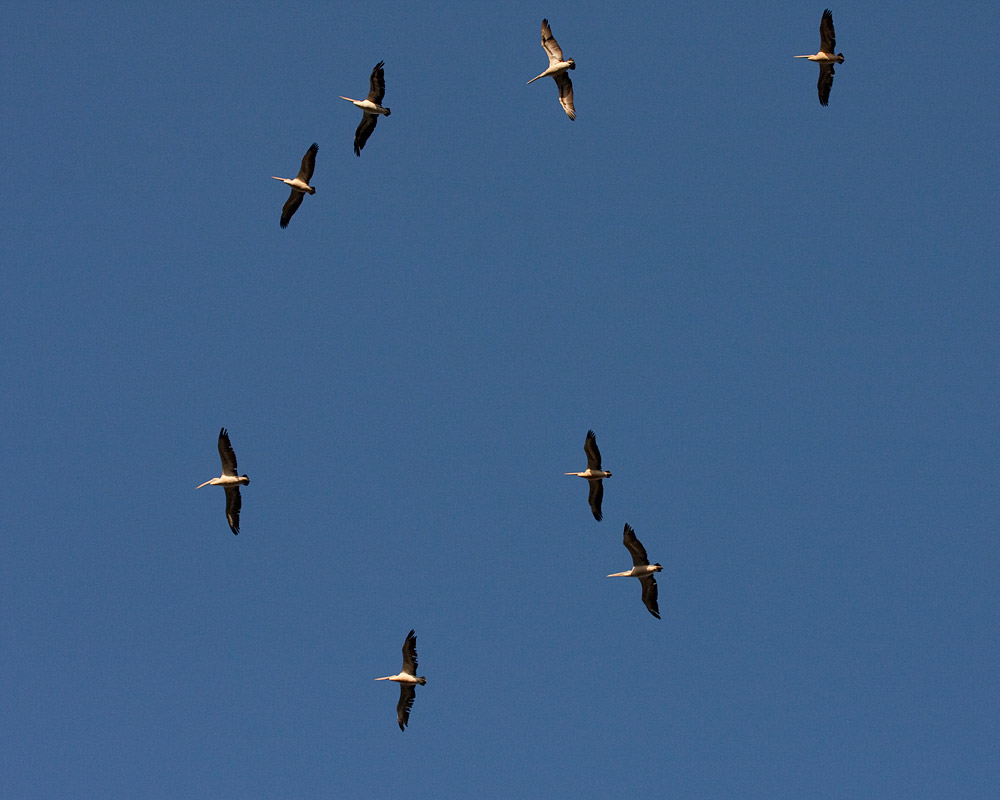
(641, 569)
(558, 69)
(407, 680)
(300, 185)
(371, 106)
(825, 57)
(230, 480)
(593, 473)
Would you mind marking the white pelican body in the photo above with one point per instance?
(641, 569)
(557, 69)
(594, 475)
(300, 184)
(407, 679)
(230, 480)
(371, 106)
(826, 57)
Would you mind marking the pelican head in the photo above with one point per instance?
(840, 58)
(246, 479)
(312, 190)
(607, 473)
(388, 112)
(658, 567)
(572, 64)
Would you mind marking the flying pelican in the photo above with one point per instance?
(371, 106)
(825, 57)
(407, 680)
(300, 185)
(641, 569)
(593, 474)
(558, 70)
(230, 480)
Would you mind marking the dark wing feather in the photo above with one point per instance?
(565, 93)
(649, 592)
(595, 498)
(410, 653)
(827, 37)
(227, 454)
(308, 163)
(825, 83)
(407, 694)
(290, 207)
(377, 84)
(365, 128)
(639, 557)
(593, 454)
(234, 502)
(550, 44)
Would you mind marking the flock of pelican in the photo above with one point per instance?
(372, 108)
(558, 69)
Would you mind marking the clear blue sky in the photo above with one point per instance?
(780, 319)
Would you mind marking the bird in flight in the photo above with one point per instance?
(371, 106)
(558, 69)
(300, 184)
(594, 474)
(826, 57)
(407, 680)
(230, 480)
(641, 569)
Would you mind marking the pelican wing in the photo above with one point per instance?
(410, 653)
(234, 502)
(827, 38)
(649, 592)
(550, 44)
(407, 694)
(377, 84)
(290, 207)
(639, 557)
(825, 83)
(365, 128)
(308, 163)
(593, 454)
(595, 498)
(565, 93)
(227, 454)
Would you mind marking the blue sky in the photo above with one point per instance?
(780, 319)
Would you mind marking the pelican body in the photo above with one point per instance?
(407, 679)
(641, 569)
(371, 106)
(557, 69)
(826, 57)
(300, 184)
(594, 475)
(230, 480)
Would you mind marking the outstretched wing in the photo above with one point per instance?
(227, 454)
(593, 454)
(565, 93)
(827, 37)
(595, 498)
(407, 694)
(234, 502)
(365, 128)
(550, 44)
(308, 163)
(290, 207)
(825, 83)
(639, 557)
(649, 592)
(377, 84)
(410, 653)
